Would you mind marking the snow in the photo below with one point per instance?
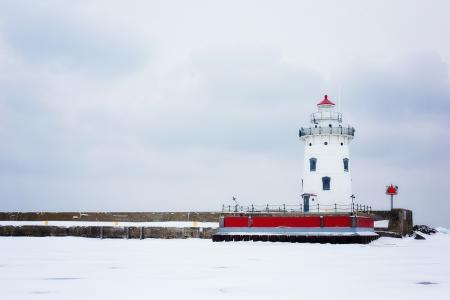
(381, 224)
(178, 224)
(337, 231)
(443, 230)
(83, 268)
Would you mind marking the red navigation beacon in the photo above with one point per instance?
(392, 190)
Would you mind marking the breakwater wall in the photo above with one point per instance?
(400, 224)
(111, 216)
(400, 221)
(109, 232)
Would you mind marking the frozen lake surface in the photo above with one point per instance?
(81, 268)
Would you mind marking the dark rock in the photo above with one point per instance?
(424, 229)
(419, 237)
(389, 234)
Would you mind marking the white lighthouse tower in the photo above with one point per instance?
(327, 182)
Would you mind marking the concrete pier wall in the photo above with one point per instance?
(109, 232)
(400, 223)
(400, 220)
(111, 216)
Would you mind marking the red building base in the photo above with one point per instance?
(336, 229)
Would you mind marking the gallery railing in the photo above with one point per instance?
(327, 130)
(325, 115)
(300, 208)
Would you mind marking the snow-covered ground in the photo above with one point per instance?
(178, 224)
(82, 268)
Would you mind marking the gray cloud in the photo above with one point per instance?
(417, 83)
(54, 37)
(402, 106)
(234, 98)
(254, 73)
(126, 109)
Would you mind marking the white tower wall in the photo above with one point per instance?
(327, 141)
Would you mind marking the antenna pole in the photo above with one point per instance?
(339, 98)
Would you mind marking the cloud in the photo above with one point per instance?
(418, 83)
(92, 153)
(402, 109)
(253, 73)
(130, 109)
(51, 36)
(237, 91)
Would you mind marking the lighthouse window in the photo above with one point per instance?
(342, 144)
(312, 164)
(326, 183)
(326, 143)
(329, 125)
(345, 164)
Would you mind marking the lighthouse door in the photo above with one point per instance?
(305, 203)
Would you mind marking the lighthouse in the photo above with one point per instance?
(326, 214)
(327, 181)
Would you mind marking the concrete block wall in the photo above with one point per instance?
(109, 232)
(111, 216)
(400, 220)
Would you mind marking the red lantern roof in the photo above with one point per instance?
(325, 101)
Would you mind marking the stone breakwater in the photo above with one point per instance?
(400, 224)
(123, 232)
(109, 232)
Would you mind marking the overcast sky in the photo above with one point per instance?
(179, 105)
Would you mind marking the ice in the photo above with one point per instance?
(84, 268)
